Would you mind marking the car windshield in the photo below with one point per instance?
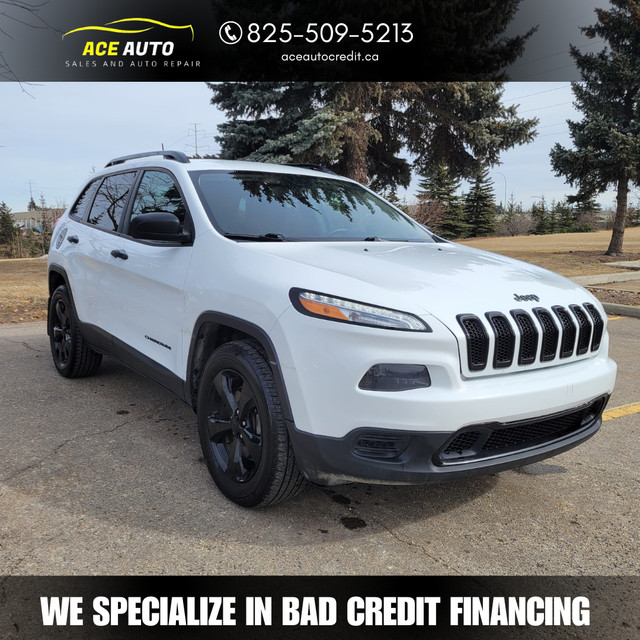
(280, 206)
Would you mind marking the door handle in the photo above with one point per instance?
(119, 253)
(73, 239)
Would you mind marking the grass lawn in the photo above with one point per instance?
(23, 290)
(571, 254)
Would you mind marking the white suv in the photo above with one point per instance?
(319, 332)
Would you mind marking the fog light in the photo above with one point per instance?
(395, 377)
(380, 447)
(594, 411)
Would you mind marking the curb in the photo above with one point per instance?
(606, 278)
(621, 309)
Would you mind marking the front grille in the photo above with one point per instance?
(540, 336)
(484, 441)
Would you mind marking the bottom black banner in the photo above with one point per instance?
(319, 607)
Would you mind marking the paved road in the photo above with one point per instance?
(105, 476)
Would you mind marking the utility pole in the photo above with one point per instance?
(195, 132)
(32, 206)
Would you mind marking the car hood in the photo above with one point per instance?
(441, 279)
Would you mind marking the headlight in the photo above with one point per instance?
(320, 305)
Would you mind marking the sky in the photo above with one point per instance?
(53, 136)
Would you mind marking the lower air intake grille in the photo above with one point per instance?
(484, 441)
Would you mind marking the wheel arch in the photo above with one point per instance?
(56, 277)
(213, 329)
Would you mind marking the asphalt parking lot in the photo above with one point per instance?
(105, 476)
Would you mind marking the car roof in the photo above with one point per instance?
(178, 161)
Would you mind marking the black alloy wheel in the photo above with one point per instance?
(242, 431)
(71, 355)
(235, 427)
(61, 333)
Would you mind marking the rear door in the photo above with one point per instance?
(94, 273)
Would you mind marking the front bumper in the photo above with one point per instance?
(400, 457)
(322, 364)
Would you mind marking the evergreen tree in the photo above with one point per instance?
(32, 206)
(543, 217)
(607, 140)
(480, 207)
(565, 215)
(587, 213)
(440, 188)
(360, 129)
(8, 231)
(513, 221)
(463, 125)
(324, 123)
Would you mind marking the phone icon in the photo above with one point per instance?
(230, 32)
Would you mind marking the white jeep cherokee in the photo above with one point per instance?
(318, 331)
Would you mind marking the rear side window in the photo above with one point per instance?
(79, 209)
(111, 201)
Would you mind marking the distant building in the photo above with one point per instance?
(34, 219)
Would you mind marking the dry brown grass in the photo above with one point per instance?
(23, 290)
(23, 282)
(571, 254)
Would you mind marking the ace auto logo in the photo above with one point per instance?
(127, 43)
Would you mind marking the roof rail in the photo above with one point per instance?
(313, 167)
(178, 156)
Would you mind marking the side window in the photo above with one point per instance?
(111, 200)
(79, 209)
(158, 192)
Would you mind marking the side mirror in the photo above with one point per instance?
(159, 225)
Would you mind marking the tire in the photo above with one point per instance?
(242, 430)
(71, 355)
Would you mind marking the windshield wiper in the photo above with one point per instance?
(372, 239)
(266, 237)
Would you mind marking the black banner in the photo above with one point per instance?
(319, 607)
(151, 40)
